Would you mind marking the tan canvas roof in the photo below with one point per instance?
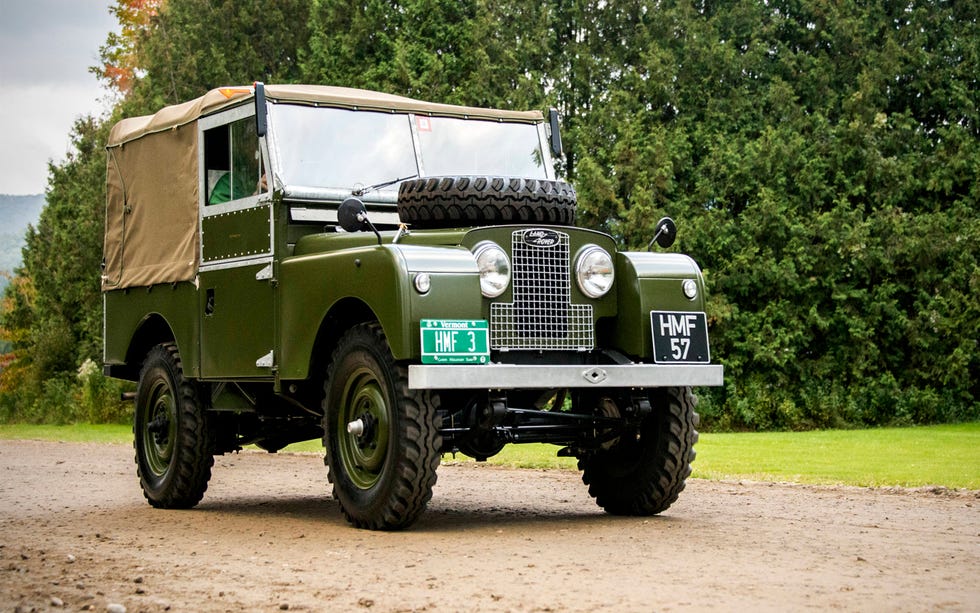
(345, 97)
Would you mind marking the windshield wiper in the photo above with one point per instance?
(360, 191)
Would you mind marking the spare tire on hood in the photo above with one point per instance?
(458, 201)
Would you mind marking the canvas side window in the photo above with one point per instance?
(233, 164)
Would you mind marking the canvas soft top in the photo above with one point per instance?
(152, 184)
(344, 97)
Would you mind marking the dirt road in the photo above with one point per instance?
(75, 534)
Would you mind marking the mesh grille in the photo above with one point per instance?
(541, 316)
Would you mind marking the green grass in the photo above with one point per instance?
(946, 455)
(78, 433)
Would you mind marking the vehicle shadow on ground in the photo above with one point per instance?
(473, 519)
(440, 517)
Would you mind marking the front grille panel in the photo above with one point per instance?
(541, 317)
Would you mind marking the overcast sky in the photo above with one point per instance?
(46, 48)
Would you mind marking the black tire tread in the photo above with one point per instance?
(659, 475)
(418, 460)
(465, 200)
(185, 486)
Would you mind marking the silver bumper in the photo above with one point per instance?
(510, 376)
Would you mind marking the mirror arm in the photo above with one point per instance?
(363, 218)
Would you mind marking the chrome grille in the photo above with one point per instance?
(541, 315)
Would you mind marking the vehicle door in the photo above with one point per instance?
(237, 291)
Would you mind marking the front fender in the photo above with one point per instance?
(649, 282)
(382, 277)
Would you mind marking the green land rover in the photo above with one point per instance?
(399, 278)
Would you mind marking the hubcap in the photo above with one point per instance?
(363, 455)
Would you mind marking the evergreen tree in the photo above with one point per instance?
(807, 151)
(192, 46)
(62, 262)
(470, 52)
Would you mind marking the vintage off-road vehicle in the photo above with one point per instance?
(400, 278)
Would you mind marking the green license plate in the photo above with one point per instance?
(455, 341)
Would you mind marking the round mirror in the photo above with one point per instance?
(352, 215)
(666, 232)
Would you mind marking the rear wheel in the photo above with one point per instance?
(643, 473)
(381, 437)
(173, 459)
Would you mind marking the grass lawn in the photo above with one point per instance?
(76, 433)
(947, 455)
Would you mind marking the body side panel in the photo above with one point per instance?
(127, 310)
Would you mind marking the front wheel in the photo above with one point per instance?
(381, 437)
(173, 459)
(645, 472)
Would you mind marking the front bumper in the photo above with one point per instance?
(511, 376)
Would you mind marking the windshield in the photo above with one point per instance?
(337, 148)
(321, 147)
(468, 147)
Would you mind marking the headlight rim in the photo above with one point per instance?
(580, 273)
(479, 250)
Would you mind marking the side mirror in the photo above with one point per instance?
(353, 217)
(665, 235)
(556, 147)
(261, 118)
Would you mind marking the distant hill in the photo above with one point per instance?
(16, 213)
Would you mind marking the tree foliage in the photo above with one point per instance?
(120, 66)
(192, 46)
(51, 312)
(821, 158)
(471, 52)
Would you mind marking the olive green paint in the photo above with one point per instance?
(128, 310)
(646, 282)
(381, 277)
(247, 318)
(236, 234)
(237, 313)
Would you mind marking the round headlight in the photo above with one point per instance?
(594, 271)
(494, 269)
(690, 288)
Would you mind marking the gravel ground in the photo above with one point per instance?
(75, 534)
